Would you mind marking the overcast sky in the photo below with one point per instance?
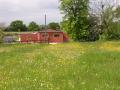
(29, 10)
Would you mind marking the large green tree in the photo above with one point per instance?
(17, 25)
(76, 18)
(33, 26)
(54, 25)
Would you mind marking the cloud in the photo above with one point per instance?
(29, 10)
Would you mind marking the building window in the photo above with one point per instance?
(56, 35)
(45, 35)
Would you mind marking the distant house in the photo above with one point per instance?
(45, 36)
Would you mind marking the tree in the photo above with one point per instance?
(117, 13)
(111, 23)
(107, 12)
(94, 31)
(17, 26)
(42, 27)
(65, 26)
(76, 16)
(113, 30)
(33, 26)
(54, 26)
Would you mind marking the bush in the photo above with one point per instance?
(1, 35)
(113, 33)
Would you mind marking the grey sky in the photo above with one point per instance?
(29, 10)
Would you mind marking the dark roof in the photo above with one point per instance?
(50, 30)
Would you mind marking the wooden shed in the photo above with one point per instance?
(45, 36)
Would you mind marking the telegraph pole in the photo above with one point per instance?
(45, 21)
(46, 35)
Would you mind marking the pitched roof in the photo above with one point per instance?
(44, 31)
(50, 30)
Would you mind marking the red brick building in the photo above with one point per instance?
(46, 36)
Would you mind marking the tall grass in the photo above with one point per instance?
(69, 66)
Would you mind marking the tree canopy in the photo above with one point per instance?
(33, 26)
(54, 25)
(108, 15)
(76, 18)
(17, 25)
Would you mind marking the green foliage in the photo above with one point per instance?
(111, 23)
(117, 12)
(65, 26)
(54, 26)
(33, 26)
(94, 31)
(76, 13)
(1, 35)
(17, 25)
(43, 27)
(113, 32)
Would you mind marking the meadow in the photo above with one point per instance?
(67, 66)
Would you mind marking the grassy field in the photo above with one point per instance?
(69, 66)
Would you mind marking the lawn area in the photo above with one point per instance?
(68, 66)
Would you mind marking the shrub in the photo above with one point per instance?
(1, 35)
